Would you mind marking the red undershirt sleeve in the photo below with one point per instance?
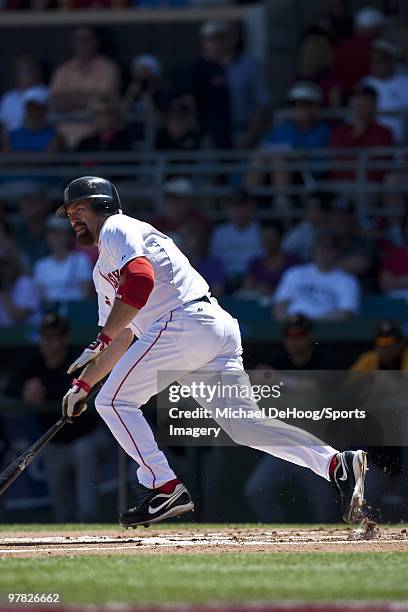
(136, 282)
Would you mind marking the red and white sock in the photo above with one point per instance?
(168, 487)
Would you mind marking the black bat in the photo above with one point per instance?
(13, 471)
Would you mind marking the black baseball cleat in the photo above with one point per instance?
(153, 505)
(348, 482)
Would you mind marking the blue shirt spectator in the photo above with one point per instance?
(24, 139)
(289, 134)
(35, 134)
(305, 130)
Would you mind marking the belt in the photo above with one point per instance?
(204, 298)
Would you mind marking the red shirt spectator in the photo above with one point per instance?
(352, 55)
(315, 64)
(363, 131)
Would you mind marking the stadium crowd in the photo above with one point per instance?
(315, 268)
(222, 101)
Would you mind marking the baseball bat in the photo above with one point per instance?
(13, 471)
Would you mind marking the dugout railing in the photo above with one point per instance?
(216, 174)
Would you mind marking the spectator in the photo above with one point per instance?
(299, 240)
(109, 131)
(264, 273)
(319, 290)
(357, 254)
(29, 231)
(64, 275)
(35, 134)
(362, 131)
(300, 349)
(249, 93)
(194, 243)
(210, 88)
(144, 94)
(180, 130)
(71, 459)
(27, 75)
(238, 240)
(336, 23)
(390, 351)
(315, 64)
(390, 86)
(178, 209)
(77, 82)
(19, 300)
(352, 55)
(303, 132)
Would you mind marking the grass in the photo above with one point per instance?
(203, 577)
(200, 577)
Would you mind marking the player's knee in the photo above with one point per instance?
(103, 402)
(238, 434)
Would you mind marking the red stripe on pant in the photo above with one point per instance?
(119, 388)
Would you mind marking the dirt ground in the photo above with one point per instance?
(366, 537)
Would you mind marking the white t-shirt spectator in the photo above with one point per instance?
(236, 247)
(62, 281)
(318, 294)
(392, 96)
(25, 295)
(12, 108)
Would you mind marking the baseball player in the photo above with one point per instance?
(147, 288)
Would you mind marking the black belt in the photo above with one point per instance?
(204, 298)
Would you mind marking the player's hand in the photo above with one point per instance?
(76, 394)
(96, 348)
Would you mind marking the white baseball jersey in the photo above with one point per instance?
(176, 336)
(176, 282)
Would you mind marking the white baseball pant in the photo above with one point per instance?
(198, 336)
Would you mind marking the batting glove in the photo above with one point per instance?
(76, 394)
(96, 348)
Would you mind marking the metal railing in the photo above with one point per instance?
(215, 174)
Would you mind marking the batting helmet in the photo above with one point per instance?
(102, 193)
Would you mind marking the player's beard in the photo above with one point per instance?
(85, 237)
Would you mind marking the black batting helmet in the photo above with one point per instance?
(102, 193)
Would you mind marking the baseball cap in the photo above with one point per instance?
(212, 27)
(388, 334)
(53, 323)
(382, 44)
(297, 325)
(369, 17)
(303, 90)
(147, 60)
(58, 223)
(38, 95)
(179, 186)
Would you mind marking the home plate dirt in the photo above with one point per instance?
(366, 537)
